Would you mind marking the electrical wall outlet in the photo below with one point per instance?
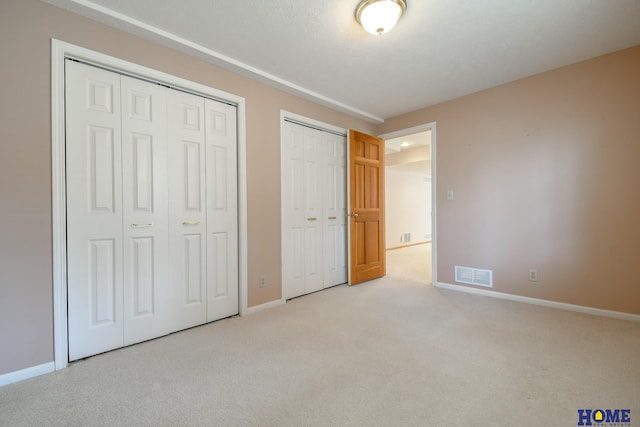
(533, 275)
(262, 281)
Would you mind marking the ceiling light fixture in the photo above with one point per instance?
(379, 16)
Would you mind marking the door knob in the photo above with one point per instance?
(354, 215)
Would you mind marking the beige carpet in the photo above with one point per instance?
(411, 263)
(383, 353)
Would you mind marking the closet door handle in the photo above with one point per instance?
(141, 225)
(190, 222)
(332, 217)
(312, 219)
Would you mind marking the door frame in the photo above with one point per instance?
(59, 52)
(415, 129)
(315, 124)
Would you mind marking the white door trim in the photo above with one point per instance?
(421, 128)
(310, 122)
(59, 51)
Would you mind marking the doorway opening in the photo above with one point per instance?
(410, 203)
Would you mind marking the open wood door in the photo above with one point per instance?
(366, 207)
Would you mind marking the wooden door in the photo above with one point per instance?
(366, 204)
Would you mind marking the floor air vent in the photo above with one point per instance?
(474, 276)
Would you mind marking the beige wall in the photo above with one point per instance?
(407, 206)
(545, 172)
(26, 27)
(412, 155)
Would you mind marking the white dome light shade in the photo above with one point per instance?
(379, 16)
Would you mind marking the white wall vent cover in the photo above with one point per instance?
(474, 276)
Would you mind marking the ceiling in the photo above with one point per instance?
(440, 49)
(417, 145)
(407, 142)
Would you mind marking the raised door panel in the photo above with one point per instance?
(222, 210)
(145, 210)
(187, 209)
(94, 210)
(313, 273)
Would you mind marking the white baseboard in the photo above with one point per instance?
(265, 306)
(25, 374)
(542, 302)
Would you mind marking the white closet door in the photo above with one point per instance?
(94, 210)
(335, 210)
(314, 236)
(145, 209)
(314, 174)
(222, 210)
(293, 219)
(187, 209)
(152, 210)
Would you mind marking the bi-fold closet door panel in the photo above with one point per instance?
(203, 209)
(187, 208)
(94, 210)
(293, 219)
(335, 210)
(222, 209)
(151, 210)
(117, 238)
(313, 210)
(313, 218)
(145, 211)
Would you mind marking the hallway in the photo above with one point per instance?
(411, 263)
